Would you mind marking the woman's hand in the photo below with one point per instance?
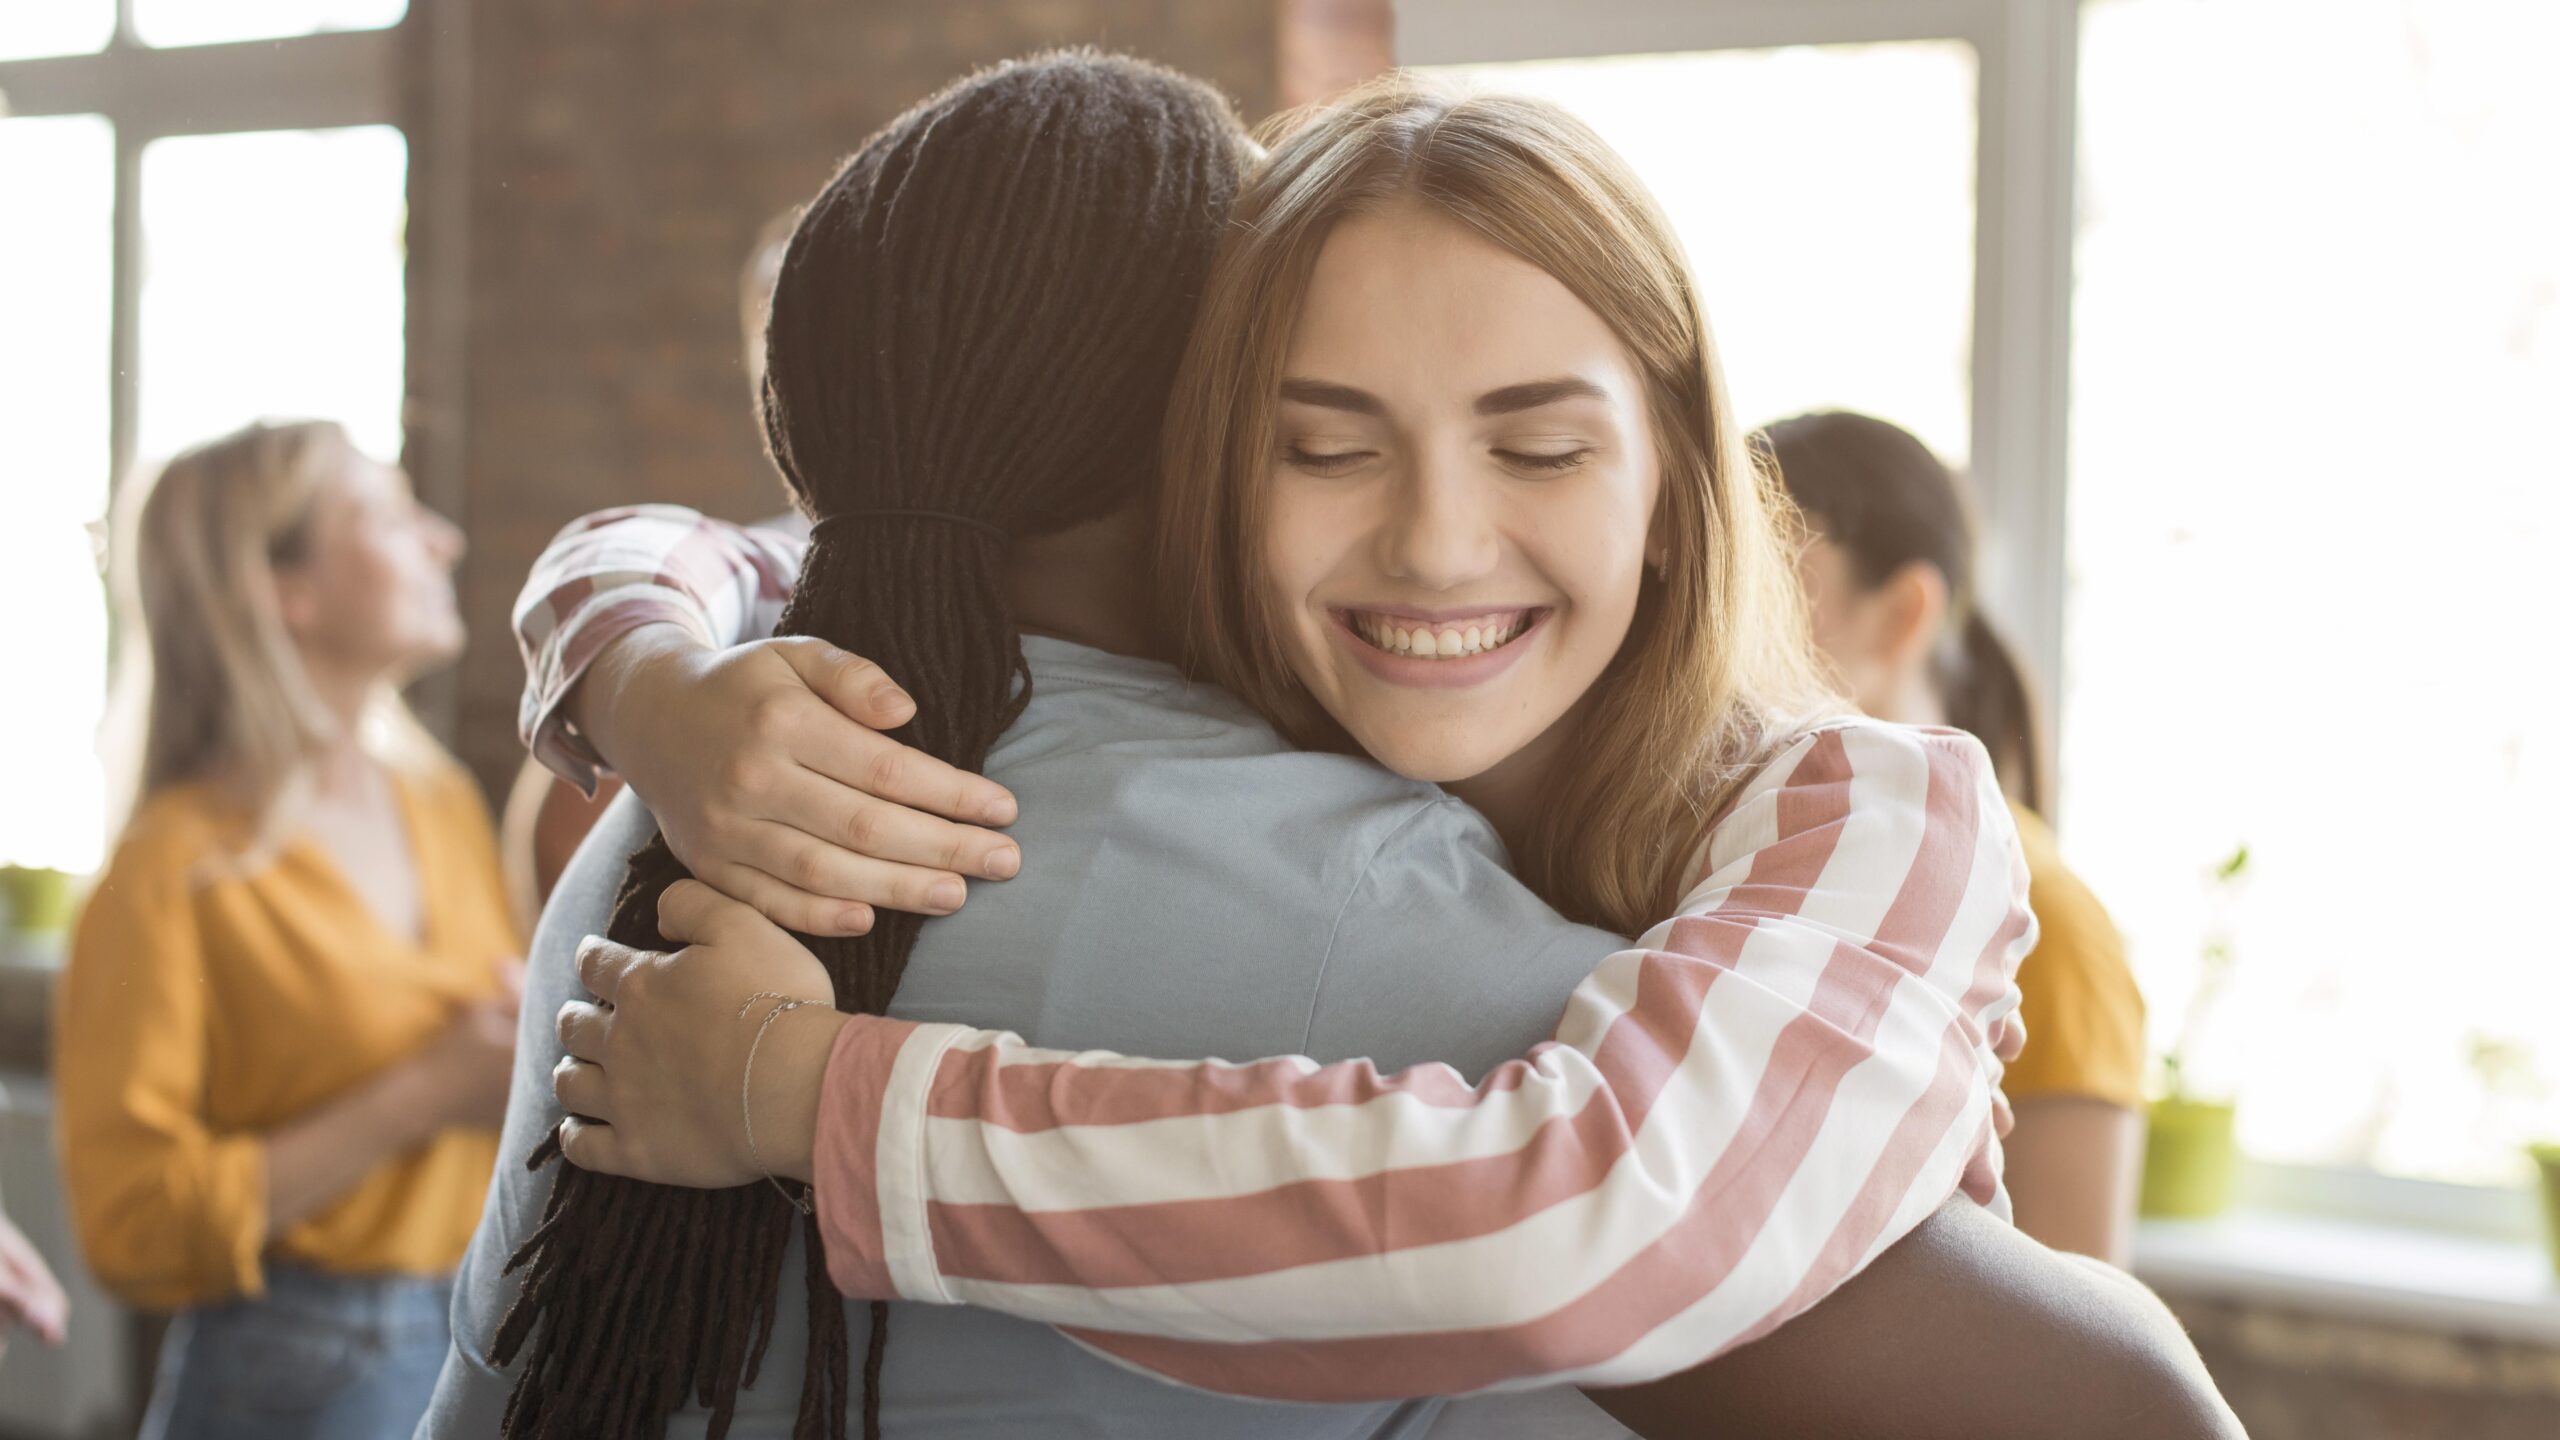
(466, 1068)
(655, 1074)
(765, 767)
(29, 1295)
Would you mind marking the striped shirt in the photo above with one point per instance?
(1784, 1078)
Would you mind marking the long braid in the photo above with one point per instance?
(972, 337)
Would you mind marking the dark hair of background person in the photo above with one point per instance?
(973, 337)
(1880, 495)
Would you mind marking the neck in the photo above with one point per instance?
(1910, 700)
(1087, 584)
(1511, 794)
(342, 767)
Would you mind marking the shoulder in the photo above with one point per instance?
(447, 795)
(174, 834)
(2078, 942)
(1931, 784)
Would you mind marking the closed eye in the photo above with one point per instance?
(1324, 462)
(1543, 464)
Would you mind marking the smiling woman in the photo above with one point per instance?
(1509, 488)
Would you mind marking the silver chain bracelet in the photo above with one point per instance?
(747, 1091)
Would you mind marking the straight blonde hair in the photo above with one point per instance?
(1717, 671)
(217, 689)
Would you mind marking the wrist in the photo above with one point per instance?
(408, 1102)
(618, 681)
(788, 1074)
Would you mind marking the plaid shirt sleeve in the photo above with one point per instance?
(609, 573)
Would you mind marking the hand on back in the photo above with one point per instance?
(654, 1071)
(767, 770)
(469, 1065)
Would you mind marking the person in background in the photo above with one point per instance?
(285, 1031)
(547, 816)
(1891, 580)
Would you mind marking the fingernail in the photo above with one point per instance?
(890, 697)
(947, 896)
(856, 920)
(1002, 811)
(1004, 864)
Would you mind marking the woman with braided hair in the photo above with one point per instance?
(949, 311)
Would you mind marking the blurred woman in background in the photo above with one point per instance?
(1891, 581)
(285, 1031)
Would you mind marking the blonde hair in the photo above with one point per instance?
(1717, 671)
(217, 689)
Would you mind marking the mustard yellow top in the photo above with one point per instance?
(2083, 1013)
(203, 1007)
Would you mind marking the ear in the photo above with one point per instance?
(1912, 606)
(297, 601)
(1657, 538)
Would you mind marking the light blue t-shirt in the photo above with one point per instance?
(1191, 886)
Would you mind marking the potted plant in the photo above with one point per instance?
(2187, 1163)
(2521, 1103)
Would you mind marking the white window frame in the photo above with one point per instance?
(310, 82)
(2027, 54)
(148, 93)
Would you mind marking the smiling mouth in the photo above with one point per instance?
(1409, 638)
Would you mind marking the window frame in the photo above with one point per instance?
(315, 82)
(2027, 56)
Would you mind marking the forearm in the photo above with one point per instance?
(320, 1155)
(1727, 1125)
(598, 703)
(610, 573)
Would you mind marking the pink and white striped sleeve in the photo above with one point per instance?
(1787, 1076)
(609, 573)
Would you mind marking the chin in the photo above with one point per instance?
(1436, 764)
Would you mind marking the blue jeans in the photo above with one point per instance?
(318, 1357)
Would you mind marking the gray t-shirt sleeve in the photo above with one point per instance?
(471, 1394)
(1438, 925)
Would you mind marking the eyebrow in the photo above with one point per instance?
(1511, 399)
(1332, 396)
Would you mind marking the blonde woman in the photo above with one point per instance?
(283, 1037)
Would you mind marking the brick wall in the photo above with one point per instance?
(616, 158)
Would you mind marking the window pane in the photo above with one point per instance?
(55, 303)
(207, 22)
(2315, 490)
(272, 284)
(55, 27)
(1825, 194)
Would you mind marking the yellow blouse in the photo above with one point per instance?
(2076, 993)
(203, 1007)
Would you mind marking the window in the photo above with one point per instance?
(196, 238)
(297, 315)
(206, 22)
(56, 27)
(55, 302)
(1835, 254)
(2314, 491)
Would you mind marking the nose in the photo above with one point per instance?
(444, 538)
(1440, 530)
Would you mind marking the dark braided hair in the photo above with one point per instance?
(973, 337)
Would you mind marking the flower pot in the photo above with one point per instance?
(2546, 1159)
(34, 901)
(2186, 1167)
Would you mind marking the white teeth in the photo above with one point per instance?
(1435, 644)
